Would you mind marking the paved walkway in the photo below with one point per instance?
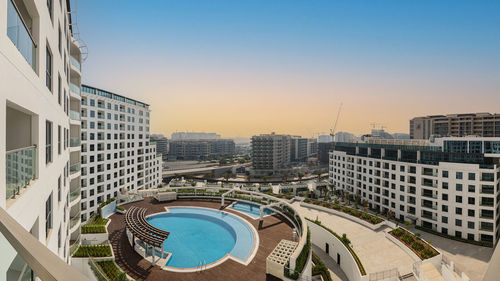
(471, 259)
(335, 270)
(376, 252)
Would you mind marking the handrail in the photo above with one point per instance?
(19, 149)
(24, 23)
(46, 265)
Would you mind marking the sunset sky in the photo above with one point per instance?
(241, 68)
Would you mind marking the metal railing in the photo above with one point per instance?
(73, 221)
(74, 195)
(20, 169)
(19, 34)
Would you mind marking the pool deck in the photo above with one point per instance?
(272, 231)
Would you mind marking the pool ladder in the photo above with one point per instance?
(201, 264)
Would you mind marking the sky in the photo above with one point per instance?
(241, 68)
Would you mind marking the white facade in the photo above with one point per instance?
(39, 65)
(116, 148)
(458, 199)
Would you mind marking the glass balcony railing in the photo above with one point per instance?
(74, 195)
(74, 115)
(20, 169)
(74, 168)
(74, 88)
(75, 62)
(19, 34)
(73, 142)
(74, 220)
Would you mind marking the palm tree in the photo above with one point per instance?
(318, 173)
(227, 175)
(300, 176)
(265, 178)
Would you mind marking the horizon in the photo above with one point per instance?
(250, 67)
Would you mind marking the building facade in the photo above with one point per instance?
(194, 136)
(271, 153)
(450, 185)
(162, 145)
(456, 125)
(40, 101)
(200, 149)
(116, 148)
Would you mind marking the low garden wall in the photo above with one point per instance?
(320, 236)
(435, 260)
(108, 210)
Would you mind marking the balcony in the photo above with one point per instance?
(74, 115)
(74, 221)
(19, 34)
(75, 62)
(74, 88)
(74, 195)
(20, 169)
(31, 257)
(74, 168)
(74, 142)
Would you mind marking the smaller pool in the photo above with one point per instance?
(253, 210)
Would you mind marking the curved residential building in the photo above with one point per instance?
(39, 103)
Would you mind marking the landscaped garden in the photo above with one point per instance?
(95, 225)
(353, 212)
(102, 250)
(421, 248)
(320, 268)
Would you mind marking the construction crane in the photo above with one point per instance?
(332, 131)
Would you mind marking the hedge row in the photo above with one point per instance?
(359, 214)
(320, 268)
(422, 249)
(93, 251)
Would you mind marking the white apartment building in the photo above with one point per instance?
(116, 148)
(449, 185)
(40, 78)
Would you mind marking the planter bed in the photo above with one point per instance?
(353, 212)
(319, 268)
(84, 251)
(95, 225)
(478, 243)
(418, 246)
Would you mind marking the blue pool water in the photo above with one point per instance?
(252, 210)
(198, 234)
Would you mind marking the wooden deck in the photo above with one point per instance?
(273, 229)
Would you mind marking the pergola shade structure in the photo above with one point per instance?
(136, 223)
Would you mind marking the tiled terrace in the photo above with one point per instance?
(273, 229)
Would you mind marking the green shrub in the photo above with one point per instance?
(375, 220)
(307, 200)
(346, 210)
(356, 213)
(407, 238)
(427, 253)
(316, 202)
(336, 207)
(345, 240)
(120, 208)
(89, 229)
(397, 232)
(93, 251)
(417, 246)
(327, 205)
(110, 269)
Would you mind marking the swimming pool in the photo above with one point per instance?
(202, 235)
(253, 210)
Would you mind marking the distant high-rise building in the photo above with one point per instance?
(344, 137)
(194, 136)
(271, 153)
(456, 125)
(200, 149)
(116, 148)
(161, 145)
(325, 138)
(312, 147)
(298, 149)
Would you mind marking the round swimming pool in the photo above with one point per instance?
(204, 236)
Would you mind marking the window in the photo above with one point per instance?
(458, 211)
(470, 224)
(472, 176)
(60, 41)
(445, 174)
(471, 200)
(459, 187)
(48, 215)
(59, 87)
(471, 213)
(59, 189)
(49, 6)
(48, 142)
(444, 219)
(472, 188)
(459, 176)
(48, 69)
(59, 140)
(458, 199)
(458, 222)
(59, 238)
